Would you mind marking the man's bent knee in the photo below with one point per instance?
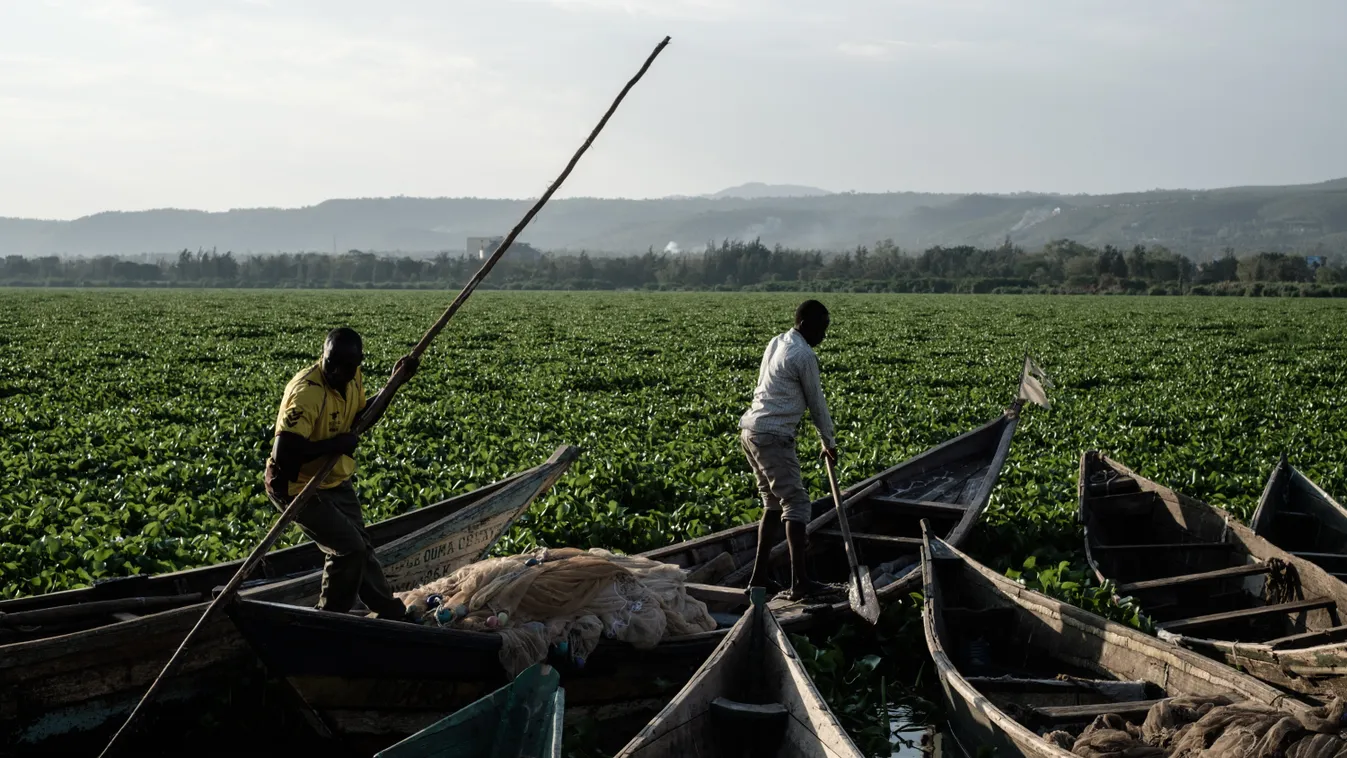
(795, 510)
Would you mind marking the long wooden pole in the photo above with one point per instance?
(369, 417)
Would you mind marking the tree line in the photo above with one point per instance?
(1062, 266)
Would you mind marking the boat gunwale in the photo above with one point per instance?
(20, 652)
(775, 635)
(901, 584)
(76, 595)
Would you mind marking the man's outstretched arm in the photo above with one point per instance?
(403, 371)
(818, 407)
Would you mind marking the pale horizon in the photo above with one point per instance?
(129, 105)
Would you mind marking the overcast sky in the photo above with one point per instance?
(217, 104)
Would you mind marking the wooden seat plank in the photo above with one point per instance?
(1249, 569)
(1072, 713)
(1247, 613)
(1310, 639)
(878, 539)
(1116, 690)
(1122, 485)
(713, 593)
(919, 506)
(1165, 546)
(753, 711)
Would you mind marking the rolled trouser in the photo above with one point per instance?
(332, 519)
(777, 470)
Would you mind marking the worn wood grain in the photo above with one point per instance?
(1248, 569)
(1316, 671)
(1045, 628)
(50, 686)
(404, 668)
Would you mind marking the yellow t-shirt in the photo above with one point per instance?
(317, 412)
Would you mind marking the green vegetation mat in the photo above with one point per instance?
(135, 424)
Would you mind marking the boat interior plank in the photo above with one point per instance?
(909, 543)
(1164, 546)
(1116, 690)
(1310, 639)
(1065, 714)
(904, 505)
(1250, 569)
(1297, 606)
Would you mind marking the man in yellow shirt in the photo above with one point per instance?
(320, 406)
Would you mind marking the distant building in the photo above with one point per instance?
(482, 247)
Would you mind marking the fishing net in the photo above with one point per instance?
(562, 599)
(1212, 727)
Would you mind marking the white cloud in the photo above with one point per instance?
(696, 10)
(219, 103)
(888, 49)
(260, 60)
(872, 50)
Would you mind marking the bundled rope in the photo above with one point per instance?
(1283, 582)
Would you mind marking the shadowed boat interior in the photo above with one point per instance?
(1190, 573)
(1015, 665)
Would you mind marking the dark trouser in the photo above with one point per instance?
(332, 519)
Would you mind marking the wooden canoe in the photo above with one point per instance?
(523, 719)
(412, 676)
(752, 697)
(1014, 664)
(1296, 515)
(1211, 584)
(59, 689)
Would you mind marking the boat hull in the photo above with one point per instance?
(1114, 659)
(753, 664)
(69, 689)
(414, 676)
(1214, 611)
(1298, 516)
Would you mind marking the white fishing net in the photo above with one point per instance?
(565, 595)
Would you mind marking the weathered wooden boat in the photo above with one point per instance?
(752, 697)
(1015, 664)
(85, 656)
(1211, 584)
(412, 676)
(523, 719)
(1296, 515)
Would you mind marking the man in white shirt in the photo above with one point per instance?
(788, 383)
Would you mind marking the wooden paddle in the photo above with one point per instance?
(860, 588)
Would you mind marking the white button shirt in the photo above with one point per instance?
(788, 383)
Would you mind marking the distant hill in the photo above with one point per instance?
(1199, 222)
(758, 190)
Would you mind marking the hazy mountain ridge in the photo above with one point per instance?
(758, 190)
(1304, 217)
